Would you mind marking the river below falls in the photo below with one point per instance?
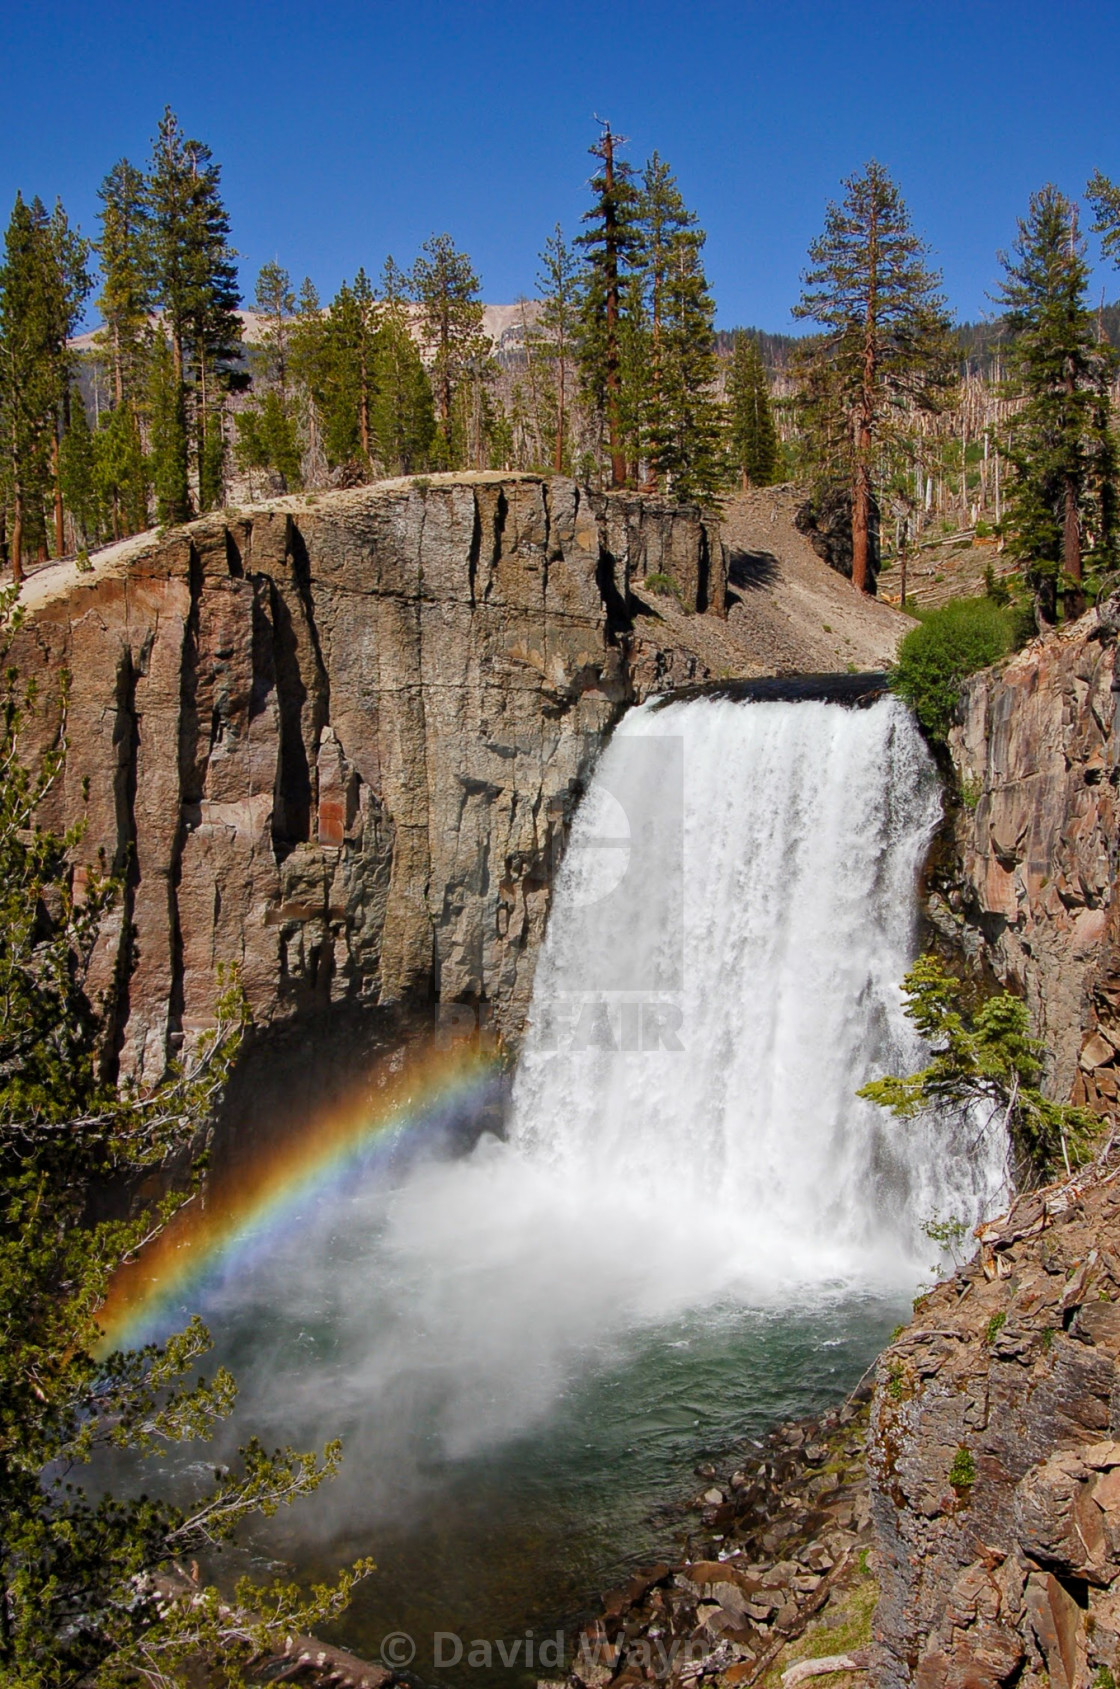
(521, 1536)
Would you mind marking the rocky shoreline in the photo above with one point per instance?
(955, 1525)
(780, 1567)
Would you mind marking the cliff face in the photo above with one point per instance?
(995, 1461)
(994, 1449)
(339, 743)
(1037, 756)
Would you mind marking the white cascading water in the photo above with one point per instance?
(804, 830)
(734, 915)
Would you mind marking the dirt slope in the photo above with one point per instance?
(788, 611)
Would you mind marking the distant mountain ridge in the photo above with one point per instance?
(504, 324)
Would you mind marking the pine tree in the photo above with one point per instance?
(267, 433)
(125, 302)
(682, 424)
(1060, 454)
(68, 288)
(403, 420)
(121, 471)
(498, 430)
(634, 375)
(663, 220)
(609, 242)
(306, 362)
(167, 426)
(275, 302)
(1104, 196)
(266, 439)
(195, 285)
(341, 377)
(751, 433)
(77, 473)
(25, 385)
(446, 290)
(43, 283)
(885, 344)
(556, 331)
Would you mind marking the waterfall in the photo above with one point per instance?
(721, 974)
(688, 1167)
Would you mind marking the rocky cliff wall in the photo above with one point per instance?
(1036, 752)
(994, 1456)
(994, 1448)
(339, 742)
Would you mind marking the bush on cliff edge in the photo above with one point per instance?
(943, 650)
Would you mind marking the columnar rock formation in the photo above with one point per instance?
(338, 743)
(1037, 756)
(995, 1460)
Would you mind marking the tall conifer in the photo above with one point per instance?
(168, 430)
(885, 340)
(195, 284)
(557, 327)
(43, 282)
(1061, 456)
(446, 291)
(752, 436)
(124, 251)
(267, 434)
(403, 413)
(610, 241)
(121, 470)
(683, 423)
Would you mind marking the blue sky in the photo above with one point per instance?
(349, 131)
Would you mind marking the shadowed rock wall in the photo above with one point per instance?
(340, 743)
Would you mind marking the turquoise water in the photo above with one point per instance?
(523, 1535)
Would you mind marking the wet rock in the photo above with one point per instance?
(739, 1605)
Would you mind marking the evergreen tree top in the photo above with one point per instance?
(1047, 273)
(873, 293)
(194, 264)
(612, 231)
(869, 263)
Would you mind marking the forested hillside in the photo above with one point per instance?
(194, 390)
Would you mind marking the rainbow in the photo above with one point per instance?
(406, 1100)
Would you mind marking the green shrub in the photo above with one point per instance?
(962, 1473)
(948, 645)
(659, 582)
